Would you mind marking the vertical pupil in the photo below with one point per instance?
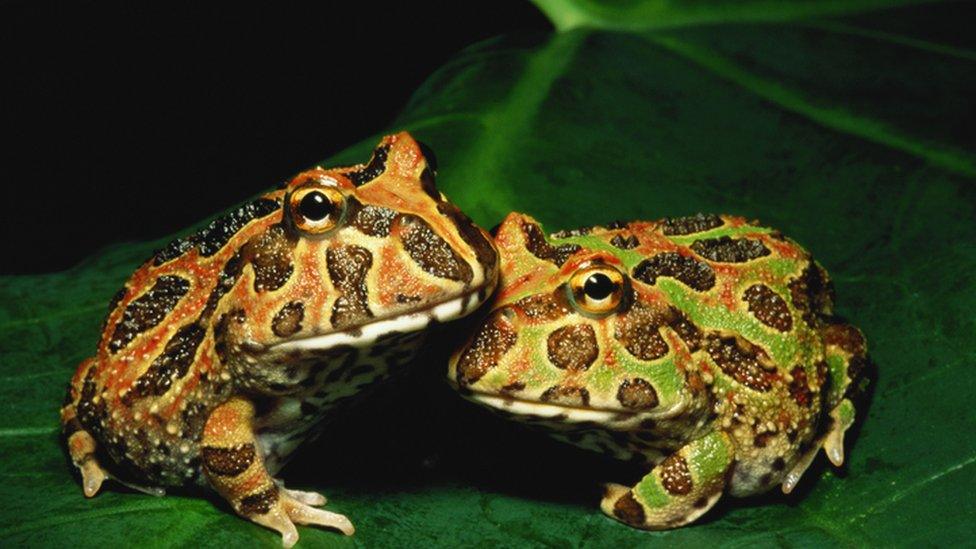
(315, 206)
(598, 286)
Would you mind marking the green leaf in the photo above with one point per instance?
(850, 131)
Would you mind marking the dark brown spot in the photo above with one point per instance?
(768, 307)
(686, 330)
(513, 387)
(148, 310)
(544, 307)
(638, 331)
(675, 476)
(535, 242)
(573, 347)
(270, 254)
(761, 440)
(700, 503)
(779, 464)
(218, 233)
(845, 336)
(175, 248)
(728, 250)
(855, 366)
(740, 360)
(402, 298)
(628, 243)
(431, 252)
(637, 394)
(259, 503)
(348, 267)
(766, 479)
(812, 293)
(113, 303)
(71, 427)
(225, 281)
(569, 233)
(370, 220)
(690, 224)
(495, 337)
(369, 172)
(228, 462)
(92, 414)
(429, 184)
(695, 274)
(629, 510)
(172, 364)
(566, 396)
(471, 235)
(288, 321)
(221, 332)
(799, 387)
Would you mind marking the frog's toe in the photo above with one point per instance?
(92, 476)
(308, 498)
(303, 513)
(842, 417)
(277, 519)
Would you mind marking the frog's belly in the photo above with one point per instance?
(330, 381)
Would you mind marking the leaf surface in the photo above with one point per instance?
(851, 131)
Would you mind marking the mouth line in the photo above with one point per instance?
(504, 402)
(409, 322)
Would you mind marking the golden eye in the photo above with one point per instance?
(316, 209)
(597, 290)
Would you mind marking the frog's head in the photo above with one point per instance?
(571, 328)
(359, 253)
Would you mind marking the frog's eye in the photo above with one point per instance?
(316, 209)
(597, 290)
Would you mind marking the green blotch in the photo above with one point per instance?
(650, 492)
(719, 232)
(845, 413)
(662, 373)
(837, 368)
(710, 456)
(629, 258)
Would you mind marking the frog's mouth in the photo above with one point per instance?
(367, 334)
(508, 404)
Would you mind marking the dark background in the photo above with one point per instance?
(132, 120)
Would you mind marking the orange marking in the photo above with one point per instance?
(252, 479)
(395, 279)
(221, 422)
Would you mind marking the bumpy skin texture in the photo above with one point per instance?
(717, 360)
(228, 348)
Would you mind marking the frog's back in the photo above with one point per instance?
(153, 380)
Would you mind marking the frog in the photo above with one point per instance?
(229, 348)
(703, 349)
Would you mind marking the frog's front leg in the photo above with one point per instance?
(679, 489)
(234, 465)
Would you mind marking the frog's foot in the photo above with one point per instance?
(678, 490)
(236, 470)
(92, 475)
(841, 417)
(81, 448)
(286, 512)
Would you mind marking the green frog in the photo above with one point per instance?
(703, 346)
